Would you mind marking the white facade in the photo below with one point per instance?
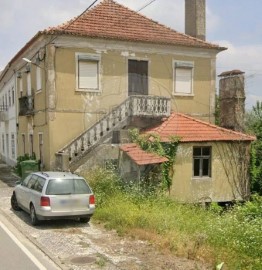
(8, 120)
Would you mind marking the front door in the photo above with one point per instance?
(137, 77)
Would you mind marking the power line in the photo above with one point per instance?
(146, 5)
(72, 21)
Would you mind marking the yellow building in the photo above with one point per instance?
(211, 164)
(80, 72)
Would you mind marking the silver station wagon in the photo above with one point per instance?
(54, 195)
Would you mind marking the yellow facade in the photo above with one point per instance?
(61, 112)
(228, 181)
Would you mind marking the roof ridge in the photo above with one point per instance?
(65, 25)
(215, 126)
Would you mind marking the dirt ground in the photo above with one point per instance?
(75, 246)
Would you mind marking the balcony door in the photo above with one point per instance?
(137, 77)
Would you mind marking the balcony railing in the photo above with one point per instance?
(144, 106)
(26, 105)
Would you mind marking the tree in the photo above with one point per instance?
(254, 125)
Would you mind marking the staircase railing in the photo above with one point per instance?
(147, 106)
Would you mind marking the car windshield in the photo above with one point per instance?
(67, 186)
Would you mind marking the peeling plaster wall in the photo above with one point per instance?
(220, 187)
(70, 112)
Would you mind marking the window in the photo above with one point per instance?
(202, 161)
(13, 145)
(87, 67)
(40, 145)
(29, 89)
(31, 144)
(3, 143)
(67, 186)
(23, 143)
(9, 98)
(21, 86)
(39, 184)
(13, 95)
(38, 79)
(7, 145)
(26, 180)
(183, 78)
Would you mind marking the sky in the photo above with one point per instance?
(235, 24)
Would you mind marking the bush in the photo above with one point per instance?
(232, 236)
(105, 184)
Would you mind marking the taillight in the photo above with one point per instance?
(45, 201)
(92, 199)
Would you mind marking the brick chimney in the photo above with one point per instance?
(232, 99)
(195, 18)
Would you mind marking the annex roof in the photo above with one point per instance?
(189, 129)
(140, 156)
(110, 20)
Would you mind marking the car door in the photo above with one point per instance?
(21, 191)
(36, 187)
(29, 192)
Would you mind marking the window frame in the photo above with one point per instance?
(38, 74)
(201, 158)
(185, 65)
(13, 145)
(89, 58)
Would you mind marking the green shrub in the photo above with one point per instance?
(105, 184)
(232, 236)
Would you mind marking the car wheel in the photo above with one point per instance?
(84, 220)
(14, 203)
(33, 217)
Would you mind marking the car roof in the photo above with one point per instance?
(54, 174)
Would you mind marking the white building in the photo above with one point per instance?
(8, 119)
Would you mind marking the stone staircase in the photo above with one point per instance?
(69, 157)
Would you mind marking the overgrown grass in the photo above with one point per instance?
(233, 236)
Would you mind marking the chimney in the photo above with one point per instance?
(195, 18)
(232, 99)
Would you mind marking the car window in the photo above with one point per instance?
(32, 182)
(67, 186)
(81, 186)
(39, 184)
(26, 180)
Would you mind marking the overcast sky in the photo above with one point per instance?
(235, 24)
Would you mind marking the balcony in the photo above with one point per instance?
(26, 105)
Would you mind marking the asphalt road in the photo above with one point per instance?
(13, 255)
(17, 252)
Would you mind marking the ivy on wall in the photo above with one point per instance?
(152, 143)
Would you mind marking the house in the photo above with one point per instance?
(8, 120)
(80, 83)
(211, 163)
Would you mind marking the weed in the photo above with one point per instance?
(232, 236)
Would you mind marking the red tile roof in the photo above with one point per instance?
(110, 20)
(140, 156)
(189, 129)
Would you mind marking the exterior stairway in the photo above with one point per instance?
(69, 157)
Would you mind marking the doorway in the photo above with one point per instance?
(137, 77)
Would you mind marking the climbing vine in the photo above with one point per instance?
(152, 143)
